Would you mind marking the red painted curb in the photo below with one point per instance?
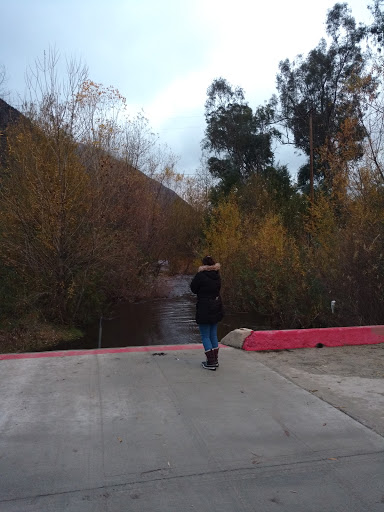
(68, 353)
(309, 338)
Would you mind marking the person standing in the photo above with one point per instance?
(209, 309)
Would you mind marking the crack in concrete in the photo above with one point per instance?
(233, 471)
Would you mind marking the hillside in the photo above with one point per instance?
(9, 114)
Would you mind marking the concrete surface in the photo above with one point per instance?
(350, 378)
(144, 432)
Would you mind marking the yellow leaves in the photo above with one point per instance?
(91, 92)
(71, 290)
(274, 257)
(171, 174)
(339, 157)
(321, 221)
(359, 82)
(46, 184)
(270, 239)
(256, 247)
(224, 234)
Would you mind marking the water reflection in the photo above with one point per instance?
(157, 322)
(166, 321)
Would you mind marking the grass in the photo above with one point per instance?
(30, 335)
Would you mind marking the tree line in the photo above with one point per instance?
(88, 202)
(289, 249)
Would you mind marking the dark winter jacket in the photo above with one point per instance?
(206, 285)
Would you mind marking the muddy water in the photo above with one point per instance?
(165, 321)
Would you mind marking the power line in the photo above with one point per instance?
(178, 128)
(179, 117)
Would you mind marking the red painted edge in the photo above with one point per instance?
(309, 338)
(68, 353)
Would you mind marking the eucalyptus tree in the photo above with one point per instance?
(316, 86)
(238, 140)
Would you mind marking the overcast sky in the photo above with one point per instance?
(162, 55)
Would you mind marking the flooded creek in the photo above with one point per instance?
(162, 321)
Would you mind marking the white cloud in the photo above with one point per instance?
(162, 56)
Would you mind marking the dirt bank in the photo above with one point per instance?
(35, 337)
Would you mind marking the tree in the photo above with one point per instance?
(376, 30)
(316, 85)
(237, 138)
(273, 194)
(3, 79)
(370, 89)
(63, 197)
(45, 209)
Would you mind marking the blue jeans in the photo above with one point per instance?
(208, 334)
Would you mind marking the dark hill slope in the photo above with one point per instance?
(9, 115)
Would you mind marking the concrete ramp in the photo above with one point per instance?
(145, 431)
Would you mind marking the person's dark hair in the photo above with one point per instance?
(208, 260)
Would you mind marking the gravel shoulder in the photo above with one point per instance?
(351, 378)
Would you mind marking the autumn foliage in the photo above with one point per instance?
(289, 259)
(86, 211)
(90, 203)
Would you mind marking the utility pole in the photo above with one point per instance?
(312, 195)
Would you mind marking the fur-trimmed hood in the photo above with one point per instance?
(216, 266)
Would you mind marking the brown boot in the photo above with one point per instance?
(216, 356)
(209, 364)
